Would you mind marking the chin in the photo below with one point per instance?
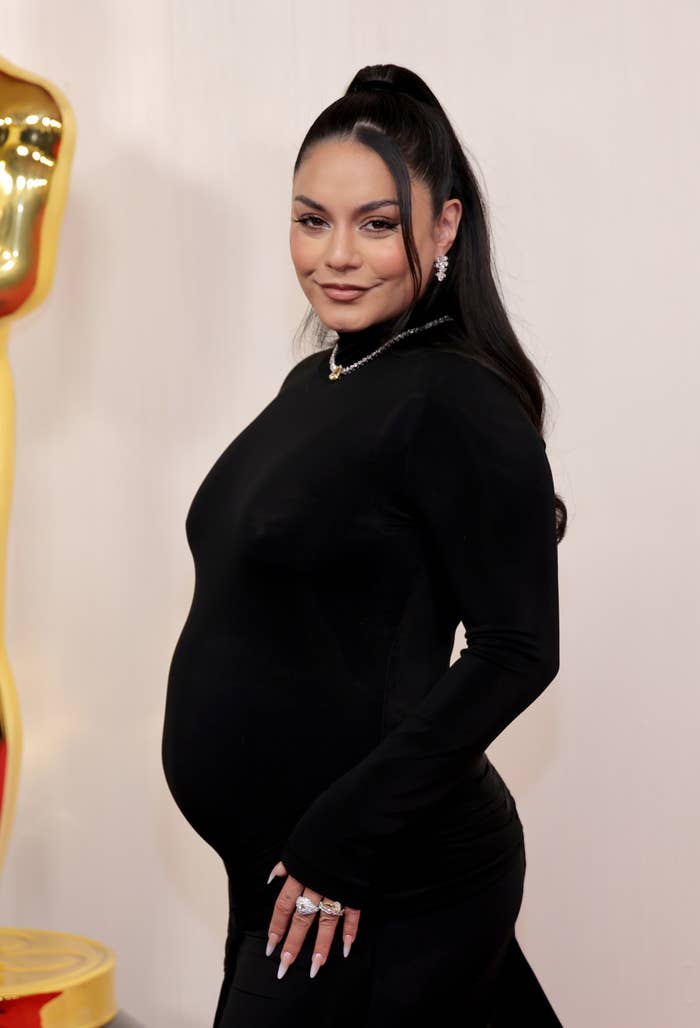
(345, 319)
(349, 324)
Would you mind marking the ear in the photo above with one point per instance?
(448, 223)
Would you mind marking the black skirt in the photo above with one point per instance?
(404, 969)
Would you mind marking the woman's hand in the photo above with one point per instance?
(285, 907)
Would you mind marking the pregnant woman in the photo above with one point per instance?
(316, 735)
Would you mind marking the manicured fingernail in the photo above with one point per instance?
(272, 941)
(273, 873)
(315, 964)
(347, 945)
(284, 964)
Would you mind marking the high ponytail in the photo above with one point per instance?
(393, 111)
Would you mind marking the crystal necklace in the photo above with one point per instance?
(338, 369)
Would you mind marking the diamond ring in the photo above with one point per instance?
(305, 905)
(331, 907)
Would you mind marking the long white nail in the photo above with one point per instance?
(315, 964)
(275, 871)
(272, 941)
(347, 944)
(284, 964)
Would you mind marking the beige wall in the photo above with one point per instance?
(169, 327)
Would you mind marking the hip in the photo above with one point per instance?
(457, 849)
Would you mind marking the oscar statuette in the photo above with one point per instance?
(48, 979)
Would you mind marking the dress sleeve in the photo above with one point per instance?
(479, 487)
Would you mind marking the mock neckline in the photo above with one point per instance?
(353, 346)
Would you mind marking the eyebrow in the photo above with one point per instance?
(373, 205)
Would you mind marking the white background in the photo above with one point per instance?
(170, 325)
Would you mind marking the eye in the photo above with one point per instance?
(384, 225)
(306, 219)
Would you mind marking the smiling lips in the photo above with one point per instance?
(343, 292)
(341, 285)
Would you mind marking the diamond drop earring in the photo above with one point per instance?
(440, 264)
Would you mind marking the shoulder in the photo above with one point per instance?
(302, 367)
(460, 405)
(457, 383)
(449, 373)
(471, 441)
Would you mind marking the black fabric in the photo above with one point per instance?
(459, 963)
(312, 714)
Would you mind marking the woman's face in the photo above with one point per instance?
(333, 241)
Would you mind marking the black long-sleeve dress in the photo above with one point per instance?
(312, 714)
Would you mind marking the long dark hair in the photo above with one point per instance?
(402, 120)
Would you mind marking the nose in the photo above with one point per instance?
(341, 249)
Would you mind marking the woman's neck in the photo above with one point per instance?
(353, 345)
